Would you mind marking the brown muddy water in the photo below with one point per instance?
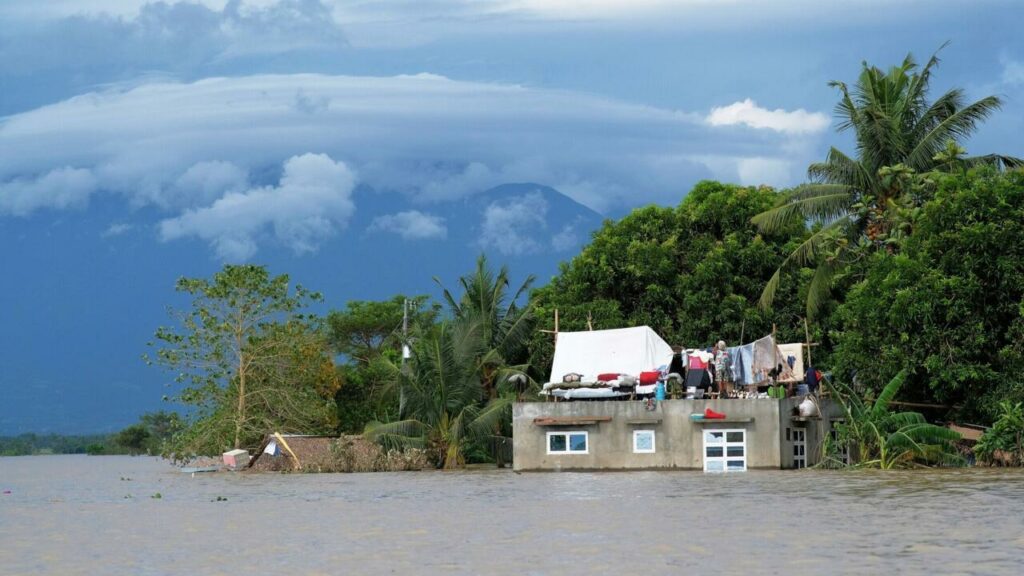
(68, 515)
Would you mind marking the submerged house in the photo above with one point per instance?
(592, 428)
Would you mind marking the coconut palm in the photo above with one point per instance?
(502, 325)
(900, 136)
(442, 407)
(887, 439)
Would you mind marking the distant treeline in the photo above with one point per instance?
(28, 444)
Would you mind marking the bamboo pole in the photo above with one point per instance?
(280, 439)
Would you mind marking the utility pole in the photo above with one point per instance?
(406, 353)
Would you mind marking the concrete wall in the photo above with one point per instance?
(678, 440)
(815, 429)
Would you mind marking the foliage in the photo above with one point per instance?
(1005, 435)
(151, 434)
(497, 319)
(248, 359)
(368, 329)
(692, 273)
(133, 438)
(886, 439)
(455, 393)
(368, 334)
(949, 308)
(900, 136)
(443, 408)
(29, 444)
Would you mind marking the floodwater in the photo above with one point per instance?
(68, 515)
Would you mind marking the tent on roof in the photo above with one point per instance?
(623, 350)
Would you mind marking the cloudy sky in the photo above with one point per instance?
(216, 131)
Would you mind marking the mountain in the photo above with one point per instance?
(73, 337)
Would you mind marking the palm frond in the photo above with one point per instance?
(804, 254)
(997, 161)
(957, 126)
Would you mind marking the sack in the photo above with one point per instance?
(572, 377)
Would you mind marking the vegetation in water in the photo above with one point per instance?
(887, 439)
(1003, 443)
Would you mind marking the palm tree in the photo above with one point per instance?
(441, 399)
(504, 328)
(899, 137)
(887, 439)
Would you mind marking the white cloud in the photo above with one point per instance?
(203, 183)
(565, 240)
(312, 200)
(411, 225)
(1013, 72)
(117, 229)
(748, 113)
(773, 171)
(511, 226)
(59, 188)
(182, 147)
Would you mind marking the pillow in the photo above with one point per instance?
(649, 378)
(607, 377)
(572, 377)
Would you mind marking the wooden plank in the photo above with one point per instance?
(967, 433)
(570, 420)
(644, 421)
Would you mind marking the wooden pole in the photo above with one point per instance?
(590, 321)
(298, 465)
(807, 333)
(743, 328)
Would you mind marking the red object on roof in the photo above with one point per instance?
(649, 377)
(710, 414)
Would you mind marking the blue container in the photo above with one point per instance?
(659, 391)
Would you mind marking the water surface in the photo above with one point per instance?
(74, 515)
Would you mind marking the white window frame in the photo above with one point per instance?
(567, 434)
(654, 441)
(725, 445)
(799, 448)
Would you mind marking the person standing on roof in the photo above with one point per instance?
(723, 369)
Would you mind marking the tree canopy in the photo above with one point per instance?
(899, 136)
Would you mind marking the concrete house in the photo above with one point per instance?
(603, 428)
(609, 435)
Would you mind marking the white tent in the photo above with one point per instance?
(624, 351)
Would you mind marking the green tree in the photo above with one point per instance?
(693, 273)
(858, 202)
(368, 334)
(501, 324)
(1006, 435)
(502, 328)
(133, 438)
(442, 407)
(368, 329)
(949, 308)
(230, 351)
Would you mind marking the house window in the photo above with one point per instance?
(643, 441)
(568, 443)
(799, 448)
(725, 450)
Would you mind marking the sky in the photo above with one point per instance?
(144, 141)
